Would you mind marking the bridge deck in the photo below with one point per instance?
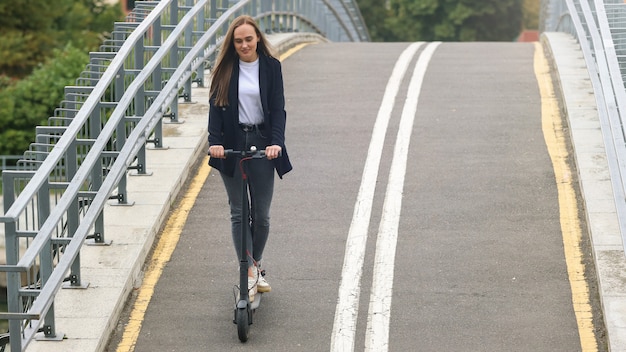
(480, 263)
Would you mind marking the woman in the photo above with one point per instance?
(247, 108)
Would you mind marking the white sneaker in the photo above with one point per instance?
(262, 285)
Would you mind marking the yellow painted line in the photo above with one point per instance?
(568, 206)
(162, 254)
(165, 247)
(290, 52)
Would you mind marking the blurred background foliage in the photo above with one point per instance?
(448, 20)
(44, 47)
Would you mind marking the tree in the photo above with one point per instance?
(30, 101)
(531, 14)
(374, 13)
(446, 20)
(32, 29)
(27, 34)
(44, 47)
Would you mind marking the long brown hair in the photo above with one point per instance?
(227, 57)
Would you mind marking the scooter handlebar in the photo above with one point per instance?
(245, 153)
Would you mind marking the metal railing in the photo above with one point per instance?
(54, 201)
(600, 30)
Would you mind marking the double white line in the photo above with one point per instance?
(346, 313)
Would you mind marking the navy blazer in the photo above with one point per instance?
(224, 120)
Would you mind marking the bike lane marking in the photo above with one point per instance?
(379, 314)
(346, 311)
(568, 206)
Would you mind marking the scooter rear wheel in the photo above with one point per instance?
(243, 324)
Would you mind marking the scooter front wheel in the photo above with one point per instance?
(242, 318)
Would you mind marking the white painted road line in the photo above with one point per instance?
(377, 333)
(344, 327)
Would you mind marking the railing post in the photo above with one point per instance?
(120, 140)
(46, 264)
(212, 18)
(266, 22)
(13, 283)
(12, 257)
(140, 109)
(173, 62)
(157, 81)
(73, 211)
(200, 22)
(96, 179)
(188, 44)
(254, 4)
(73, 218)
(291, 15)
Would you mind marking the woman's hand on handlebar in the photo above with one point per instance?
(272, 151)
(217, 151)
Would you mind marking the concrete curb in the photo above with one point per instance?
(285, 41)
(579, 105)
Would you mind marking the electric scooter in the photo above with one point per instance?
(244, 309)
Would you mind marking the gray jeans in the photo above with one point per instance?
(260, 188)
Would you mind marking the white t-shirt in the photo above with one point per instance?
(250, 108)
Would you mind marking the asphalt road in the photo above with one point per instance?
(479, 261)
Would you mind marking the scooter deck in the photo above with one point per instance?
(254, 305)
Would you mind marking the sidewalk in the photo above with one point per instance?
(595, 184)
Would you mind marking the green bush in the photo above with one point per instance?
(30, 102)
(36, 63)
